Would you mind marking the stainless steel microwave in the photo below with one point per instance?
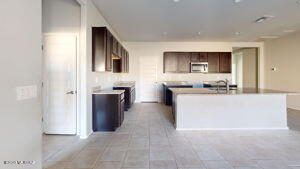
(199, 67)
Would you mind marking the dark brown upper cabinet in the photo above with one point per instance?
(109, 51)
(104, 47)
(184, 60)
(99, 52)
(115, 46)
(170, 62)
(195, 57)
(213, 59)
(203, 57)
(225, 62)
(179, 62)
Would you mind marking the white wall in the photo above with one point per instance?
(284, 54)
(61, 16)
(156, 49)
(20, 65)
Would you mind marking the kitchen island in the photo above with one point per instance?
(242, 109)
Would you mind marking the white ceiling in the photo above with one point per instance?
(217, 20)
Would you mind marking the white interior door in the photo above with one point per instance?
(148, 79)
(59, 84)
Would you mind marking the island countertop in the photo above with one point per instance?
(178, 91)
(176, 83)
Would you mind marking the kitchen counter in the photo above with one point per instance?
(124, 84)
(177, 91)
(241, 109)
(109, 92)
(175, 83)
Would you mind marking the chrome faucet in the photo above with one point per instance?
(226, 82)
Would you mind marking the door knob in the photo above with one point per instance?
(71, 92)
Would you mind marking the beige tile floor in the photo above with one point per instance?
(148, 140)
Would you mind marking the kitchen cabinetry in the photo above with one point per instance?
(179, 62)
(168, 94)
(129, 95)
(99, 44)
(170, 62)
(199, 57)
(195, 57)
(225, 62)
(108, 111)
(213, 62)
(105, 48)
(203, 57)
(109, 49)
(183, 62)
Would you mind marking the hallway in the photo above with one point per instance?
(148, 140)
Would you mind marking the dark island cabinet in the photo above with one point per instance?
(108, 111)
(105, 48)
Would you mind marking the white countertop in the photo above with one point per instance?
(176, 83)
(109, 92)
(124, 84)
(230, 92)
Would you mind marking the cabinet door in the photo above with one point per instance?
(121, 114)
(170, 62)
(127, 62)
(98, 49)
(203, 57)
(225, 62)
(115, 46)
(184, 62)
(109, 48)
(213, 62)
(195, 57)
(119, 50)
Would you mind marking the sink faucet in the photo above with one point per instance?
(226, 82)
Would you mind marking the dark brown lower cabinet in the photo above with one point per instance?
(108, 111)
(129, 95)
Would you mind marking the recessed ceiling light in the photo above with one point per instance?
(176, 0)
(238, 33)
(199, 33)
(288, 31)
(264, 18)
(237, 1)
(165, 33)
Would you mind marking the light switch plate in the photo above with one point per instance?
(26, 92)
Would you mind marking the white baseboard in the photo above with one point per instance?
(223, 129)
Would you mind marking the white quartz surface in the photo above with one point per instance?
(109, 92)
(178, 91)
(124, 84)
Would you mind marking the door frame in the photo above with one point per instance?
(78, 80)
